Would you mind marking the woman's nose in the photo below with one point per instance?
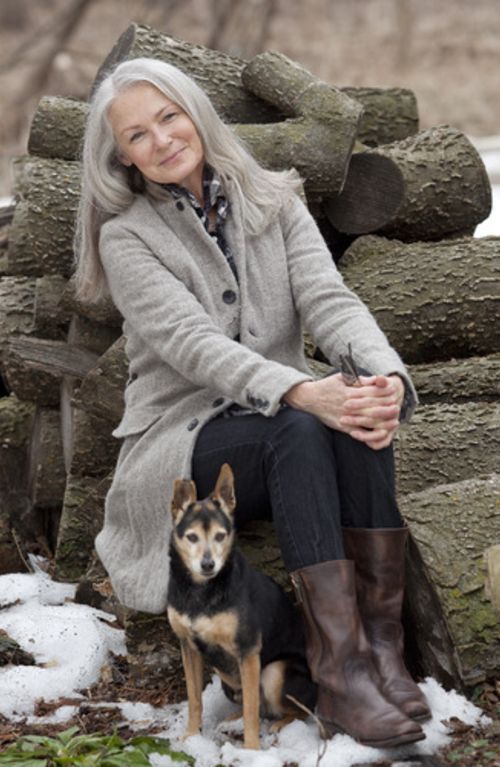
(162, 136)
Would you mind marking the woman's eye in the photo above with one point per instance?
(135, 137)
(168, 116)
(220, 537)
(192, 538)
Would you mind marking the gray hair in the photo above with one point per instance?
(109, 187)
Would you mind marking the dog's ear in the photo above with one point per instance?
(224, 489)
(184, 494)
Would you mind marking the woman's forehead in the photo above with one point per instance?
(139, 101)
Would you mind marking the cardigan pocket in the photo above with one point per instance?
(137, 421)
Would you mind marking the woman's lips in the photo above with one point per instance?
(172, 157)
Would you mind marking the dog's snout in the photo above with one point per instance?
(207, 563)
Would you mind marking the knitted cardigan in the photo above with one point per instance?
(182, 310)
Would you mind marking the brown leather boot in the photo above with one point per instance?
(339, 657)
(379, 557)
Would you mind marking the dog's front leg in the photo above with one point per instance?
(250, 684)
(193, 670)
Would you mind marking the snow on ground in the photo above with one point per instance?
(73, 642)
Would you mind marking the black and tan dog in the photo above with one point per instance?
(234, 617)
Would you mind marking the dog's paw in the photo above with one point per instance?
(189, 733)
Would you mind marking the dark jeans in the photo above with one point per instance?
(309, 479)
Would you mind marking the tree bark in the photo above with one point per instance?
(94, 449)
(16, 423)
(458, 381)
(217, 73)
(103, 312)
(57, 128)
(51, 318)
(41, 234)
(46, 474)
(447, 443)
(101, 391)
(451, 588)
(81, 520)
(447, 188)
(390, 114)
(17, 299)
(318, 142)
(446, 304)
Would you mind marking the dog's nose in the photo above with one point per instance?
(207, 564)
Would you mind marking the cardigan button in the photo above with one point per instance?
(218, 402)
(193, 424)
(229, 296)
(179, 205)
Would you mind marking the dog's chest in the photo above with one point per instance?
(218, 630)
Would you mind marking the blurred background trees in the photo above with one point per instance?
(448, 53)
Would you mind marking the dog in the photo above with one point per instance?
(232, 616)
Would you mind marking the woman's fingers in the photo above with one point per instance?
(376, 439)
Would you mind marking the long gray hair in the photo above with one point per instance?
(109, 187)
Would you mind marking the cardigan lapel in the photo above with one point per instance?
(187, 227)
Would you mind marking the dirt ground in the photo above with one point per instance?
(447, 52)
(469, 747)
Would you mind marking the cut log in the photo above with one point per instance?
(94, 449)
(57, 128)
(34, 367)
(447, 443)
(447, 188)
(101, 391)
(446, 304)
(91, 335)
(41, 234)
(17, 300)
(217, 73)
(81, 520)
(373, 193)
(450, 589)
(58, 358)
(104, 311)
(466, 380)
(46, 475)
(16, 423)
(51, 318)
(390, 114)
(318, 142)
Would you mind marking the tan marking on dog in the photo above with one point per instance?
(193, 671)
(219, 630)
(192, 553)
(181, 624)
(250, 682)
(271, 682)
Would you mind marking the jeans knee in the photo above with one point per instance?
(301, 434)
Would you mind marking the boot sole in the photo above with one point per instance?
(332, 729)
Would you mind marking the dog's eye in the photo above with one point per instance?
(192, 537)
(219, 537)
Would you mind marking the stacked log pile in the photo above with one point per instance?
(398, 208)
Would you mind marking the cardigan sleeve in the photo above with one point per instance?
(330, 312)
(171, 321)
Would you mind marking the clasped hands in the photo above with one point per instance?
(368, 411)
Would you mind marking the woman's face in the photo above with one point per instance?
(157, 136)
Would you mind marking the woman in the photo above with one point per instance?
(214, 264)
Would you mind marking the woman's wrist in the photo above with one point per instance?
(300, 396)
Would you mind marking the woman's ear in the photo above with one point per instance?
(123, 159)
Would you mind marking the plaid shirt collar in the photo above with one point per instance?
(213, 196)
